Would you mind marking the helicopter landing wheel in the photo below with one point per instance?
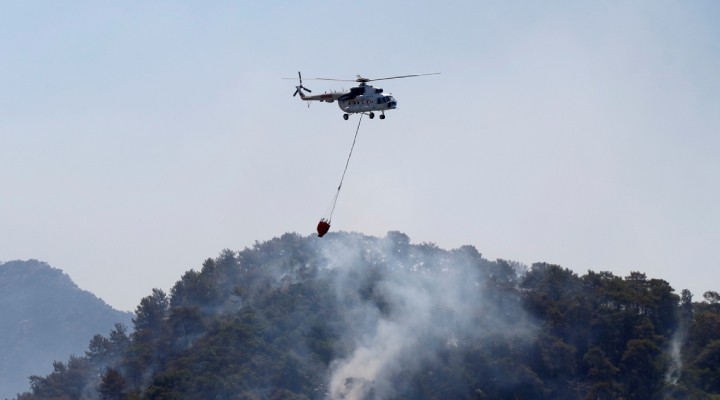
(382, 116)
(345, 117)
(371, 115)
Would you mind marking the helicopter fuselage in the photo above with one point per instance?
(360, 99)
(366, 98)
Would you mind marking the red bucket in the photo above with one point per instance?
(323, 227)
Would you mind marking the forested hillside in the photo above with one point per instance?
(45, 317)
(357, 317)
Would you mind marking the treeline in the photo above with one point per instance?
(358, 317)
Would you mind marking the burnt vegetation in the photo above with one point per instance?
(293, 317)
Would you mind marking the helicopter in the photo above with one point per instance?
(363, 98)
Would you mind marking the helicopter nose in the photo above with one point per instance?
(392, 104)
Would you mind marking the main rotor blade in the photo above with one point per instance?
(402, 76)
(363, 79)
(331, 79)
(299, 77)
(325, 79)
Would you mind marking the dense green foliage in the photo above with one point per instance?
(357, 317)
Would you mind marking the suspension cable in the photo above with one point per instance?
(346, 168)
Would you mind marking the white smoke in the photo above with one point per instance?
(403, 311)
(672, 375)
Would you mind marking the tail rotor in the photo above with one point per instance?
(300, 87)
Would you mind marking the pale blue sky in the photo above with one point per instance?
(138, 139)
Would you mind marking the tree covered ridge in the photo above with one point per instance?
(358, 317)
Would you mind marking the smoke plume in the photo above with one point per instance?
(404, 305)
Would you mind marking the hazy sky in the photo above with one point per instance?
(139, 138)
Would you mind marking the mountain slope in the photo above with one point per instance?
(356, 317)
(44, 317)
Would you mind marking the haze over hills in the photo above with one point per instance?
(358, 317)
(45, 317)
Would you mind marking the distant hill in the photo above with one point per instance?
(44, 317)
(358, 317)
